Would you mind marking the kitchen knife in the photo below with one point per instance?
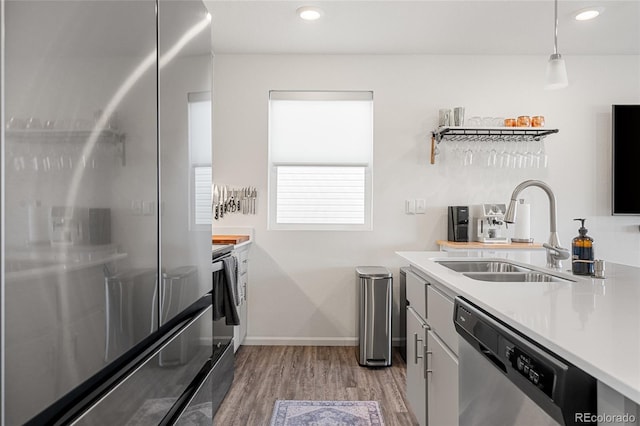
(223, 198)
(216, 201)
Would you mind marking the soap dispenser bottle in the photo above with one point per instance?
(582, 252)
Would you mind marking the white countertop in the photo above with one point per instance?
(592, 323)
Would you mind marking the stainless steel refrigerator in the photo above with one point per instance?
(106, 253)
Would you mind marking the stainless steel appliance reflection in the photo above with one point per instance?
(80, 225)
(107, 303)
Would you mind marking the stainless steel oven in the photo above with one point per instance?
(226, 297)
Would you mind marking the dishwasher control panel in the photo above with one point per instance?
(530, 368)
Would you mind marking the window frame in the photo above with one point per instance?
(272, 223)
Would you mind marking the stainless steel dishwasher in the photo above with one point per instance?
(506, 379)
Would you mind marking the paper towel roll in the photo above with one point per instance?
(522, 231)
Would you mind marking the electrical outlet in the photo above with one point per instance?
(421, 206)
(410, 206)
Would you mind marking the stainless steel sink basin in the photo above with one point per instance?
(482, 266)
(530, 276)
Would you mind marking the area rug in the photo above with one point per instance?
(326, 413)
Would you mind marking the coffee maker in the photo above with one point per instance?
(458, 221)
(488, 223)
(79, 226)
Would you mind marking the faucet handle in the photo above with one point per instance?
(560, 253)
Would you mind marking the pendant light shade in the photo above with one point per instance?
(556, 77)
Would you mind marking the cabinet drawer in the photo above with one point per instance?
(417, 294)
(440, 317)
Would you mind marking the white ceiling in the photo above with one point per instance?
(425, 27)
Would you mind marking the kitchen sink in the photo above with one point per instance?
(482, 266)
(530, 276)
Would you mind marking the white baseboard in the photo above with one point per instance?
(300, 341)
(308, 341)
(397, 341)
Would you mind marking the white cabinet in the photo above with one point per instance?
(615, 408)
(440, 317)
(416, 370)
(432, 346)
(240, 331)
(442, 383)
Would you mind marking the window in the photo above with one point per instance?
(320, 150)
(199, 116)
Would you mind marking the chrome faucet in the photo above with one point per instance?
(555, 253)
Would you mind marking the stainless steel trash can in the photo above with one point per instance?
(375, 299)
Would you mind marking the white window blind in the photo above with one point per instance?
(202, 189)
(320, 149)
(321, 195)
(199, 118)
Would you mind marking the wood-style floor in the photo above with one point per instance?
(265, 374)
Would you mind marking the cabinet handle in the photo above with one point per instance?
(415, 341)
(428, 370)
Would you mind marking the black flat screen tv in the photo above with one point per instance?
(625, 166)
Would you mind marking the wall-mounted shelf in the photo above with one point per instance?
(490, 134)
(50, 136)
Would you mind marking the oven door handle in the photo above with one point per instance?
(80, 400)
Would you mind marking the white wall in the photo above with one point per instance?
(302, 284)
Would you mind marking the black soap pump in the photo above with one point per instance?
(582, 252)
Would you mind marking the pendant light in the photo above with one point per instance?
(556, 69)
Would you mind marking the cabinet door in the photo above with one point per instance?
(416, 381)
(442, 383)
(440, 318)
(417, 293)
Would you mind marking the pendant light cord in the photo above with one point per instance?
(555, 34)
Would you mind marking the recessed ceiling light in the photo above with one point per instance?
(587, 14)
(309, 13)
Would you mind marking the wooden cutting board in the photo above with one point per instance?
(229, 239)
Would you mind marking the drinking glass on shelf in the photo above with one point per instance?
(537, 121)
(474, 121)
(524, 121)
(492, 154)
(541, 156)
(468, 155)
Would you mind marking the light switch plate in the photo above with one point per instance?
(421, 206)
(410, 206)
